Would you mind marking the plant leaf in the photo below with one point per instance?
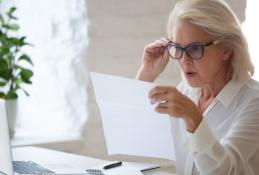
(26, 57)
(3, 38)
(14, 27)
(23, 43)
(18, 81)
(14, 41)
(3, 51)
(26, 74)
(11, 95)
(1, 20)
(13, 17)
(3, 64)
(11, 12)
(4, 71)
(22, 40)
(2, 83)
(2, 95)
(4, 74)
(26, 93)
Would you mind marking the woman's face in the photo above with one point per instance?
(211, 67)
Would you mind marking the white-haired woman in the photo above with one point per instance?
(215, 112)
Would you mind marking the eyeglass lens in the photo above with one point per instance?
(194, 51)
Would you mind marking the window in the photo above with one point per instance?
(251, 28)
(57, 104)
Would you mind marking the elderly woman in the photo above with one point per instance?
(215, 109)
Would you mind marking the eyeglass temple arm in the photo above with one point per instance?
(212, 42)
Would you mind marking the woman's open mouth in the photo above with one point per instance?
(189, 74)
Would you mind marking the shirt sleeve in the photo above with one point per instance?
(231, 154)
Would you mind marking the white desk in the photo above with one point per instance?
(45, 156)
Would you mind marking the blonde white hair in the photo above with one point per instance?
(219, 21)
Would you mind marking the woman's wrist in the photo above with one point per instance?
(193, 123)
(145, 75)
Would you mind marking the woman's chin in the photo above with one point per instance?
(194, 83)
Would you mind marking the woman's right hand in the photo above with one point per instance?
(154, 60)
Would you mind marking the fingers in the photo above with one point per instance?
(162, 110)
(163, 104)
(158, 45)
(161, 98)
(175, 104)
(166, 54)
(165, 40)
(167, 98)
(162, 90)
(167, 108)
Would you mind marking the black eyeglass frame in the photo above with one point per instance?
(184, 49)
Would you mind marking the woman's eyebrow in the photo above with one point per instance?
(174, 43)
(185, 45)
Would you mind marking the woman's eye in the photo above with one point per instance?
(195, 48)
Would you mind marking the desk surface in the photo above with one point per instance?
(45, 156)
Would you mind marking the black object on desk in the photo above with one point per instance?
(106, 167)
(94, 172)
(151, 168)
(112, 165)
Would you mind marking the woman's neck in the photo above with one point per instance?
(210, 90)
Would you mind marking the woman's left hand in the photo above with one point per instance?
(172, 102)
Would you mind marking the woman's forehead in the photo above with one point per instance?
(186, 32)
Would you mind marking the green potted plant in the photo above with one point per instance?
(15, 65)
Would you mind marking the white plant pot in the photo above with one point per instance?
(11, 109)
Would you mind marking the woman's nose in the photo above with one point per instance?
(186, 59)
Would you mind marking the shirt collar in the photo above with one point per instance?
(229, 92)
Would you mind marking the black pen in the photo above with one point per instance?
(151, 168)
(112, 165)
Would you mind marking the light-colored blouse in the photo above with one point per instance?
(227, 140)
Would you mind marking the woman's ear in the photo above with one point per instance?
(226, 54)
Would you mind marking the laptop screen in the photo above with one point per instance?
(6, 167)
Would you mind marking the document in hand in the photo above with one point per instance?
(131, 125)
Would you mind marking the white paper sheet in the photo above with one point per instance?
(131, 126)
(127, 168)
(123, 171)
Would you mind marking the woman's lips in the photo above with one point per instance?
(189, 74)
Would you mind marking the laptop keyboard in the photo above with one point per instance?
(94, 172)
(29, 167)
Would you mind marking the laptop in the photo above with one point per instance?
(10, 167)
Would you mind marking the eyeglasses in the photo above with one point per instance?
(194, 50)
